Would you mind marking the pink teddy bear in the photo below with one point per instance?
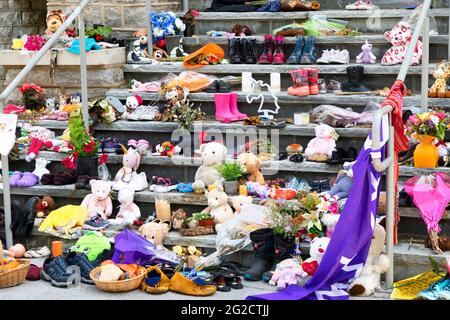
(98, 201)
(322, 144)
(286, 273)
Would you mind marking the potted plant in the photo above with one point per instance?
(231, 172)
(203, 219)
(84, 147)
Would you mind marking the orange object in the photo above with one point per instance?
(286, 194)
(57, 248)
(243, 191)
(426, 154)
(131, 269)
(208, 49)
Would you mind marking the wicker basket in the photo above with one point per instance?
(118, 286)
(13, 277)
(197, 231)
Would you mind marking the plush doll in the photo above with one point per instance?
(98, 201)
(39, 137)
(320, 148)
(130, 163)
(366, 56)
(41, 169)
(400, 37)
(316, 252)
(44, 206)
(286, 273)
(252, 164)
(239, 201)
(439, 88)
(343, 183)
(377, 263)
(129, 211)
(154, 232)
(166, 149)
(177, 219)
(212, 153)
(55, 18)
(140, 52)
(131, 104)
(218, 206)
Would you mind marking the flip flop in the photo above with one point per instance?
(219, 282)
(234, 283)
(116, 104)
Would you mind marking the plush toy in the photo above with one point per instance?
(252, 164)
(154, 232)
(98, 201)
(218, 206)
(343, 183)
(44, 206)
(400, 37)
(286, 273)
(377, 263)
(439, 88)
(131, 104)
(16, 251)
(140, 52)
(41, 169)
(166, 149)
(212, 153)
(316, 252)
(129, 211)
(38, 137)
(130, 162)
(239, 201)
(320, 148)
(177, 219)
(366, 56)
(55, 18)
(443, 242)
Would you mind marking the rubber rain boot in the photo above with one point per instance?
(284, 249)
(222, 102)
(301, 84)
(309, 52)
(313, 79)
(278, 55)
(267, 56)
(263, 246)
(234, 45)
(296, 55)
(248, 50)
(234, 108)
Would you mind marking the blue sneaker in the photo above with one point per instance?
(80, 261)
(444, 294)
(57, 271)
(435, 290)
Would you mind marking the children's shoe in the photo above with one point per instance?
(132, 143)
(142, 147)
(334, 86)
(313, 78)
(235, 50)
(155, 281)
(80, 262)
(325, 58)
(278, 55)
(267, 56)
(322, 86)
(57, 271)
(301, 84)
(223, 113)
(82, 182)
(16, 176)
(340, 57)
(234, 108)
(296, 55)
(109, 145)
(435, 290)
(360, 5)
(96, 223)
(309, 52)
(144, 113)
(181, 284)
(28, 180)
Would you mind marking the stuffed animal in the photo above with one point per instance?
(131, 104)
(55, 18)
(140, 52)
(439, 88)
(212, 153)
(286, 273)
(130, 162)
(366, 56)
(239, 201)
(154, 232)
(50, 104)
(443, 241)
(177, 219)
(400, 37)
(343, 183)
(252, 164)
(166, 149)
(320, 148)
(129, 211)
(218, 206)
(45, 205)
(316, 252)
(98, 201)
(41, 169)
(377, 263)
(38, 137)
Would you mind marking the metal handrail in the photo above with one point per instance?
(422, 26)
(77, 13)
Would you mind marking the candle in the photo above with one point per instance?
(246, 81)
(243, 191)
(162, 208)
(57, 248)
(275, 82)
(301, 119)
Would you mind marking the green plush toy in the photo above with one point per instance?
(92, 244)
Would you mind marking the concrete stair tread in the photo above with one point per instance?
(285, 98)
(376, 68)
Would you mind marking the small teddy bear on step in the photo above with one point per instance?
(366, 56)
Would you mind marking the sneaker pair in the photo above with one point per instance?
(144, 113)
(108, 145)
(96, 223)
(439, 290)
(334, 56)
(332, 87)
(304, 51)
(140, 145)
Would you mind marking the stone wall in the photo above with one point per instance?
(125, 16)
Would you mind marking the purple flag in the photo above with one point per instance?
(349, 246)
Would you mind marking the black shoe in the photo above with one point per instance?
(80, 262)
(355, 80)
(213, 87)
(284, 249)
(57, 271)
(248, 50)
(297, 158)
(223, 87)
(283, 155)
(263, 246)
(82, 182)
(296, 55)
(350, 155)
(235, 49)
(105, 255)
(337, 157)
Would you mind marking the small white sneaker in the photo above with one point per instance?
(138, 181)
(360, 5)
(341, 57)
(325, 58)
(144, 113)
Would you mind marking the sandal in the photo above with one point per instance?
(277, 124)
(219, 282)
(234, 282)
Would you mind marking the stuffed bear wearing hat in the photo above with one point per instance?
(155, 232)
(218, 206)
(252, 164)
(55, 18)
(212, 153)
(376, 264)
(98, 201)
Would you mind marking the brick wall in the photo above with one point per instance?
(125, 16)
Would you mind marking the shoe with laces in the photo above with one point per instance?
(360, 5)
(325, 58)
(435, 290)
(79, 261)
(155, 281)
(58, 272)
(144, 113)
(96, 223)
(109, 145)
(334, 86)
(340, 57)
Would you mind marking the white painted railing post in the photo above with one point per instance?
(148, 9)
(185, 5)
(83, 71)
(7, 201)
(390, 208)
(425, 63)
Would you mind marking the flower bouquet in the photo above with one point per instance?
(165, 24)
(209, 54)
(33, 96)
(101, 111)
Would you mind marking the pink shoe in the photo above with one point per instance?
(267, 56)
(132, 143)
(143, 146)
(223, 113)
(278, 55)
(13, 109)
(234, 108)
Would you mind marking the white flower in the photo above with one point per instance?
(170, 30)
(158, 32)
(434, 119)
(180, 25)
(103, 104)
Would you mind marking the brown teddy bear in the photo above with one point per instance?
(55, 18)
(155, 232)
(253, 164)
(45, 205)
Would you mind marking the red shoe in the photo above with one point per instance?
(301, 84)
(267, 56)
(313, 79)
(278, 55)
(13, 109)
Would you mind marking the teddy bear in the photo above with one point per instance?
(316, 252)
(321, 147)
(286, 273)
(55, 18)
(212, 154)
(44, 206)
(377, 263)
(252, 165)
(239, 201)
(128, 210)
(177, 218)
(41, 169)
(439, 88)
(400, 37)
(218, 206)
(166, 149)
(154, 232)
(98, 201)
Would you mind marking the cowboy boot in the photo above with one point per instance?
(278, 55)
(284, 249)
(267, 56)
(248, 50)
(234, 45)
(309, 52)
(313, 78)
(296, 55)
(263, 246)
(301, 84)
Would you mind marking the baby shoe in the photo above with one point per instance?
(28, 180)
(143, 146)
(132, 143)
(181, 284)
(155, 281)
(16, 176)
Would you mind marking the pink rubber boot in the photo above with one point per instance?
(223, 113)
(234, 108)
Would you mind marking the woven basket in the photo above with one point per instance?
(197, 231)
(118, 286)
(13, 277)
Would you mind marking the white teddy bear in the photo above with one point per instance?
(129, 211)
(218, 206)
(212, 153)
(41, 169)
(316, 252)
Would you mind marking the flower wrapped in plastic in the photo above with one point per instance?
(165, 24)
